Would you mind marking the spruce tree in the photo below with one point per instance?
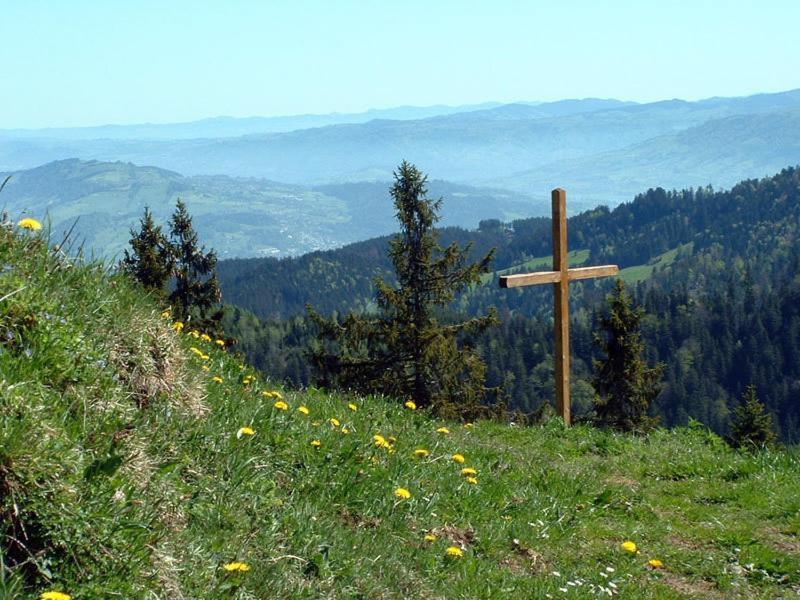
(150, 258)
(406, 352)
(624, 385)
(196, 292)
(752, 425)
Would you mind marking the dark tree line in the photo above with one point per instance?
(722, 314)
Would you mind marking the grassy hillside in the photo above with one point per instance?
(238, 217)
(126, 471)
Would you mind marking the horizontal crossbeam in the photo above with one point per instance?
(591, 272)
(526, 279)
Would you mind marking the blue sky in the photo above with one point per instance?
(82, 62)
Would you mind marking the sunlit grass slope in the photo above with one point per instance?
(137, 461)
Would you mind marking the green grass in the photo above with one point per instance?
(122, 476)
(635, 274)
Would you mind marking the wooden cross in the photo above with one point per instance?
(560, 277)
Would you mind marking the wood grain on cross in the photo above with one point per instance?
(560, 277)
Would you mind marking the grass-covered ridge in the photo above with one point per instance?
(125, 473)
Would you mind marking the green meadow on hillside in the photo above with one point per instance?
(139, 460)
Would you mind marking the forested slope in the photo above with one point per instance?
(716, 270)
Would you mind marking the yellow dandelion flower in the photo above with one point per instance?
(402, 493)
(345, 430)
(469, 425)
(55, 596)
(303, 410)
(216, 379)
(244, 431)
(204, 357)
(30, 224)
(430, 538)
(196, 351)
(459, 458)
(219, 342)
(177, 326)
(392, 439)
(411, 405)
(380, 441)
(629, 547)
(316, 443)
(334, 422)
(205, 368)
(421, 453)
(443, 430)
(655, 563)
(472, 481)
(236, 566)
(454, 552)
(166, 314)
(205, 337)
(468, 472)
(352, 407)
(281, 405)
(195, 334)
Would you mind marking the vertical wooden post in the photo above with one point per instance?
(561, 296)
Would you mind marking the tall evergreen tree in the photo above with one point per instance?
(149, 260)
(624, 384)
(196, 293)
(406, 352)
(752, 425)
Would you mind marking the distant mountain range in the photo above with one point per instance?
(602, 151)
(718, 152)
(238, 217)
(216, 127)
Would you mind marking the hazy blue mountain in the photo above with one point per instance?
(462, 148)
(600, 150)
(718, 152)
(334, 153)
(218, 127)
(543, 110)
(239, 217)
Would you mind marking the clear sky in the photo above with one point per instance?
(90, 62)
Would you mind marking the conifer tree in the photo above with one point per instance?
(752, 425)
(624, 385)
(196, 292)
(150, 258)
(406, 352)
